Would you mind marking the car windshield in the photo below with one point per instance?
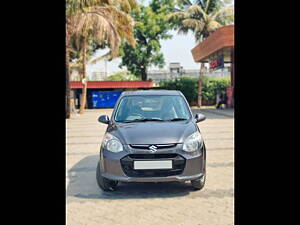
(152, 108)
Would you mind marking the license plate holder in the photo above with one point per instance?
(152, 165)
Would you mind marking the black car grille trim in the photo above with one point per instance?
(178, 163)
(152, 156)
(159, 146)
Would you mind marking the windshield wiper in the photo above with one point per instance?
(177, 119)
(141, 120)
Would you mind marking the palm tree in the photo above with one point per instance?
(102, 24)
(103, 21)
(202, 17)
(72, 7)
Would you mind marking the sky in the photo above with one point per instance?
(177, 49)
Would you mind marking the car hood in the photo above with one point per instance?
(153, 132)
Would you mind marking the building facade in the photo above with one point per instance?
(98, 75)
(218, 49)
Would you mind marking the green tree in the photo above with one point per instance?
(151, 27)
(202, 17)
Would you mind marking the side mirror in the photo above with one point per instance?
(104, 119)
(199, 117)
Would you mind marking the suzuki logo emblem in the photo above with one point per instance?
(153, 148)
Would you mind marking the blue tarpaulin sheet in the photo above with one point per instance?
(105, 99)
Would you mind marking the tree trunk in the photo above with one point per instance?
(200, 85)
(68, 111)
(84, 89)
(144, 74)
(201, 75)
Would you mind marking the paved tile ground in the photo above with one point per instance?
(149, 203)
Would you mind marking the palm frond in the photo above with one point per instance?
(198, 36)
(203, 17)
(196, 10)
(207, 4)
(183, 30)
(97, 23)
(193, 24)
(124, 5)
(124, 24)
(200, 3)
(177, 15)
(187, 2)
(76, 6)
(212, 26)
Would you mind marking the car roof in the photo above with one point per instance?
(151, 92)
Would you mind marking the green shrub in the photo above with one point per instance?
(189, 87)
(214, 86)
(122, 76)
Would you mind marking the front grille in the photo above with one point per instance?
(177, 161)
(159, 146)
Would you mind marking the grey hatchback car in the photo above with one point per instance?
(152, 136)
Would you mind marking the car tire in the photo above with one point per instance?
(199, 183)
(104, 183)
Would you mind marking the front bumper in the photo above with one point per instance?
(119, 166)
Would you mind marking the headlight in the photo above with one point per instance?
(193, 142)
(112, 143)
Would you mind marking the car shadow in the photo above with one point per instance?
(82, 184)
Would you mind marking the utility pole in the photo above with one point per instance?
(105, 61)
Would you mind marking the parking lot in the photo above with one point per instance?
(149, 203)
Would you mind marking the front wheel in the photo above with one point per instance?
(104, 183)
(199, 183)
